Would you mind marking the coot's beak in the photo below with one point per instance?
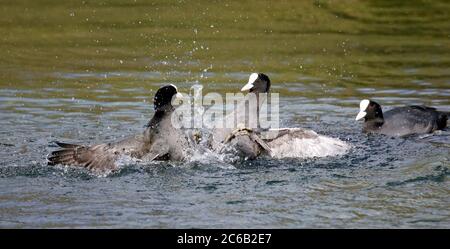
(253, 77)
(360, 115)
(362, 109)
(178, 95)
(247, 87)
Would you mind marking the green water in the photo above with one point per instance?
(349, 44)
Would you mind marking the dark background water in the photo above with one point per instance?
(86, 72)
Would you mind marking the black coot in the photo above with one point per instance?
(157, 140)
(401, 121)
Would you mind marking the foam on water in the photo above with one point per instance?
(209, 157)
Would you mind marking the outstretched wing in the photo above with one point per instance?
(99, 157)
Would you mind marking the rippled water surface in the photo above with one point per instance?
(86, 72)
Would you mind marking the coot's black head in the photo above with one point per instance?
(163, 97)
(369, 110)
(257, 83)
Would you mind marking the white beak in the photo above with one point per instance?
(178, 95)
(247, 87)
(253, 77)
(361, 115)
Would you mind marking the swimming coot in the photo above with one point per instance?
(401, 121)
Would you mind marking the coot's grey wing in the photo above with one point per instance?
(437, 118)
(302, 143)
(286, 134)
(280, 138)
(98, 158)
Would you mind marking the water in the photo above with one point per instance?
(84, 72)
